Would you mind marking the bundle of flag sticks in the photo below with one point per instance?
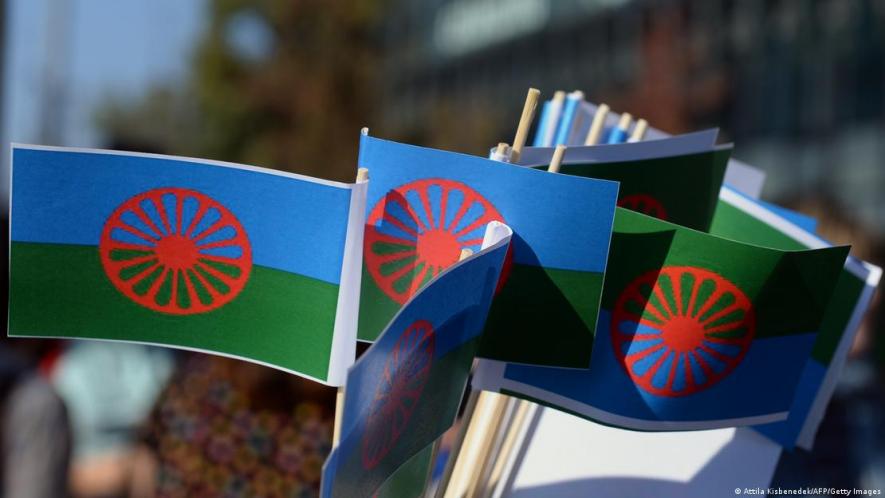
(608, 271)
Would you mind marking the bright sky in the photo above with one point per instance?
(111, 47)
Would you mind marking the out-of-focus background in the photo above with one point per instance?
(798, 85)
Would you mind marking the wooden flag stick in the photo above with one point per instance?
(339, 412)
(502, 152)
(525, 122)
(625, 121)
(639, 131)
(521, 410)
(597, 125)
(494, 443)
(477, 444)
(362, 175)
(556, 160)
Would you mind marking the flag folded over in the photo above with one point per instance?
(405, 390)
(234, 260)
(677, 145)
(748, 220)
(691, 326)
(682, 189)
(425, 205)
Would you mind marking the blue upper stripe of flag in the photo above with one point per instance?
(559, 221)
(292, 224)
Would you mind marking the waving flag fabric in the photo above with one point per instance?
(425, 205)
(747, 220)
(692, 327)
(682, 189)
(217, 257)
(405, 391)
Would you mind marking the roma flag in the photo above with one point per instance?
(695, 332)
(203, 255)
(748, 220)
(426, 205)
(405, 390)
(682, 189)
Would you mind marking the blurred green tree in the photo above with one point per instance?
(284, 84)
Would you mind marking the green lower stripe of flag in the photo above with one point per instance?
(376, 309)
(60, 290)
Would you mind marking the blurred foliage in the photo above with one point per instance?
(295, 100)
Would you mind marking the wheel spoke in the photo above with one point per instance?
(135, 232)
(179, 213)
(155, 286)
(221, 259)
(374, 236)
(142, 274)
(689, 375)
(126, 246)
(404, 204)
(722, 329)
(724, 316)
(443, 206)
(425, 202)
(396, 256)
(215, 227)
(157, 200)
(128, 263)
(653, 369)
(225, 279)
(399, 224)
(484, 219)
(659, 301)
(633, 358)
(462, 210)
(398, 274)
(669, 291)
(710, 302)
(418, 280)
(671, 376)
(232, 242)
(715, 354)
(173, 294)
(195, 221)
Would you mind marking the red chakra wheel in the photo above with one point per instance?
(419, 229)
(176, 251)
(405, 376)
(682, 329)
(644, 204)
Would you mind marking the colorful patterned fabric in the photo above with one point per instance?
(215, 439)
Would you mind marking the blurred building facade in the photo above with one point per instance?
(798, 85)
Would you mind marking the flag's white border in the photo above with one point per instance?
(343, 351)
(869, 274)
(354, 235)
(489, 376)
